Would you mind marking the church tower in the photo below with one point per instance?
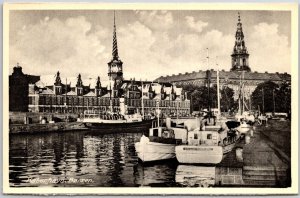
(115, 66)
(240, 56)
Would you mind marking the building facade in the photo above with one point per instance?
(239, 74)
(143, 97)
(19, 89)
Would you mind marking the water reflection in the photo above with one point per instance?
(158, 174)
(93, 159)
(196, 176)
(107, 159)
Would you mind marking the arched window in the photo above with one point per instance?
(244, 62)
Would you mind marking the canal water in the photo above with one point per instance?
(94, 159)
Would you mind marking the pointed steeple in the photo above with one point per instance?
(240, 54)
(115, 66)
(115, 55)
(57, 79)
(79, 81)
(98, 83)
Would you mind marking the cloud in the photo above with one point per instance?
(148, 46)
(149, 54)
(269, 50)
(158, 20)
(196, 26)
(65, 45)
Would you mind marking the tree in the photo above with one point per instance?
(227, 99)
(267, 95)
(283, 98)
(200, 99)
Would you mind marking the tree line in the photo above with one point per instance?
(267, 97)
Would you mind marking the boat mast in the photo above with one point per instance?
(218, 89)
(239, 112)
(110, 101)
(177, 113)
(66, 108)
(208, 81)
(158, 112)
(143, 113)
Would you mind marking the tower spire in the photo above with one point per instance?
(240, 54)
(115, 66)
(115, 55)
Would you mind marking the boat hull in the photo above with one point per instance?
(145, 124)
(154, 151)
(190, 154)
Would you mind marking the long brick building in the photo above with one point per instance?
(62, 98)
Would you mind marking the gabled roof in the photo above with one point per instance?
(92, 94)
(178, 98)
(178, 90)
(168, 90)
(40, 84)
(71, 93)
(106, 95)
(157, 97)
(167, 98)
(47, 91)
(156, 88)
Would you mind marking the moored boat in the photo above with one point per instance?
(207, 146)
(99, 120)
(160, 144)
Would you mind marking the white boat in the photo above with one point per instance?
(160, 145)
(207, 146)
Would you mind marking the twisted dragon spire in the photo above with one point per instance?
(115, 54)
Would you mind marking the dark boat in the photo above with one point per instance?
(114, 121)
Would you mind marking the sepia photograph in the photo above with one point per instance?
(189, 99)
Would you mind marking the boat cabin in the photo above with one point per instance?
(209, 138)
(163, 135)
(88, 114)
(163, 132)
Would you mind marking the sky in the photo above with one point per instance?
(151, 43)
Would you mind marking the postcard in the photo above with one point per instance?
(150, 99)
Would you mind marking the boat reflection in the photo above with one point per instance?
(156, 174)
(195, 176)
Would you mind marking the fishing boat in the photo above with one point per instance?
(160, 145)
(208, 143)
(207, 146)
(160, 142)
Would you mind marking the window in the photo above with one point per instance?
(195, 136)
(155, 132)
(244, 62)
(209, 136)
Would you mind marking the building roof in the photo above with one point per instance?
(92, 94)
(71, 93)
(225, 75)
(40, 84)
(47, 91)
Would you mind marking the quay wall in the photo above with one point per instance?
(48, 127)
(34, 117)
